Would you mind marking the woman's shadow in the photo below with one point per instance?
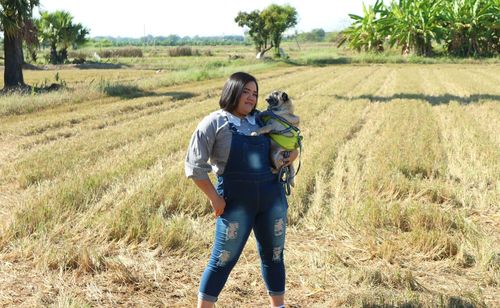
(431, 99)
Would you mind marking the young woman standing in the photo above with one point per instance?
(246, 197)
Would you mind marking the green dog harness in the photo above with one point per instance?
(288, 138)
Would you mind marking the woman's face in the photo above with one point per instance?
(248, 100)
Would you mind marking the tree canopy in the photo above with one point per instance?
(57, 30)
(266, 28)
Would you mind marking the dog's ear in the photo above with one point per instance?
(284, 96)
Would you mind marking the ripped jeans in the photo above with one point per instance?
(259, 205)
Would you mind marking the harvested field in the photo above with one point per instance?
(397, 201)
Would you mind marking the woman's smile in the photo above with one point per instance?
(248, 100)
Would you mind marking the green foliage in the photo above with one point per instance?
(473, 27)
(15, 14)
(412, 25)
(58, 31)
(277, 20)
(364, 33)
(268, 26)
(256, 28)
(316, 35)
(170, 40)
(467, 27)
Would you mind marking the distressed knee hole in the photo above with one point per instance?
(223, 258)
(232, 230)
(279, 227)
(277, 253)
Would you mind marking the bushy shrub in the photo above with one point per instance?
(78, 56)
(208, 53)
(129, 52)
(106, 54)
(183, 51)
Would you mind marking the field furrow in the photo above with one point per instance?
(487, 116)
(473, 160)
(397, 194)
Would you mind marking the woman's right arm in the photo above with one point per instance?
(197, 166)
(216, 201)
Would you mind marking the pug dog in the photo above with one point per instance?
(280, 104)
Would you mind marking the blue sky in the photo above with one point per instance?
(127, 18)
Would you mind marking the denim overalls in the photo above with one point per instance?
(255, 199)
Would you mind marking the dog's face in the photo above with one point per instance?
(279, 100)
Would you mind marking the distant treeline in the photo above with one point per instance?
(316, 35)
(171, 40)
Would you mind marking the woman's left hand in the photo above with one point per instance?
(293, 156)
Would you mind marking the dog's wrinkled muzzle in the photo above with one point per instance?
(272, 101)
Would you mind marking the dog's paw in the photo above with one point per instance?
(254, 134)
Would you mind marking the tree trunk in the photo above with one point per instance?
(13, 73)
(276, 42)
(63, 55)
(53, 54)
(261, 53)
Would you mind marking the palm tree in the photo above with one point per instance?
(15, 17)
(72, 35)
(364, 34)
(57, 30)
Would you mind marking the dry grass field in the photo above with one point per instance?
(397, 203)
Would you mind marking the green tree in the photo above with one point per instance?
(318, 34)
(277, 20)
(58, 31)
(15, 22)
(256, 29)
(266, 28)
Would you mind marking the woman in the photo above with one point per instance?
(247, 195)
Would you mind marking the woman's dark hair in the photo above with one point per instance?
(233, 88)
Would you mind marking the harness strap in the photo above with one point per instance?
(271, 113)
(284, 175)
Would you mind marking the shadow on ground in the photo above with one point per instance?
(83, 66)
(319, 61)
(99, 65)
(128, 92)
(431, 99)
(451, 302)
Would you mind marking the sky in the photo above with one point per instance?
(126, 18)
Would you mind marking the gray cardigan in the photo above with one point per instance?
(211, 141)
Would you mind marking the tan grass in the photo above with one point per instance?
(396, 202)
